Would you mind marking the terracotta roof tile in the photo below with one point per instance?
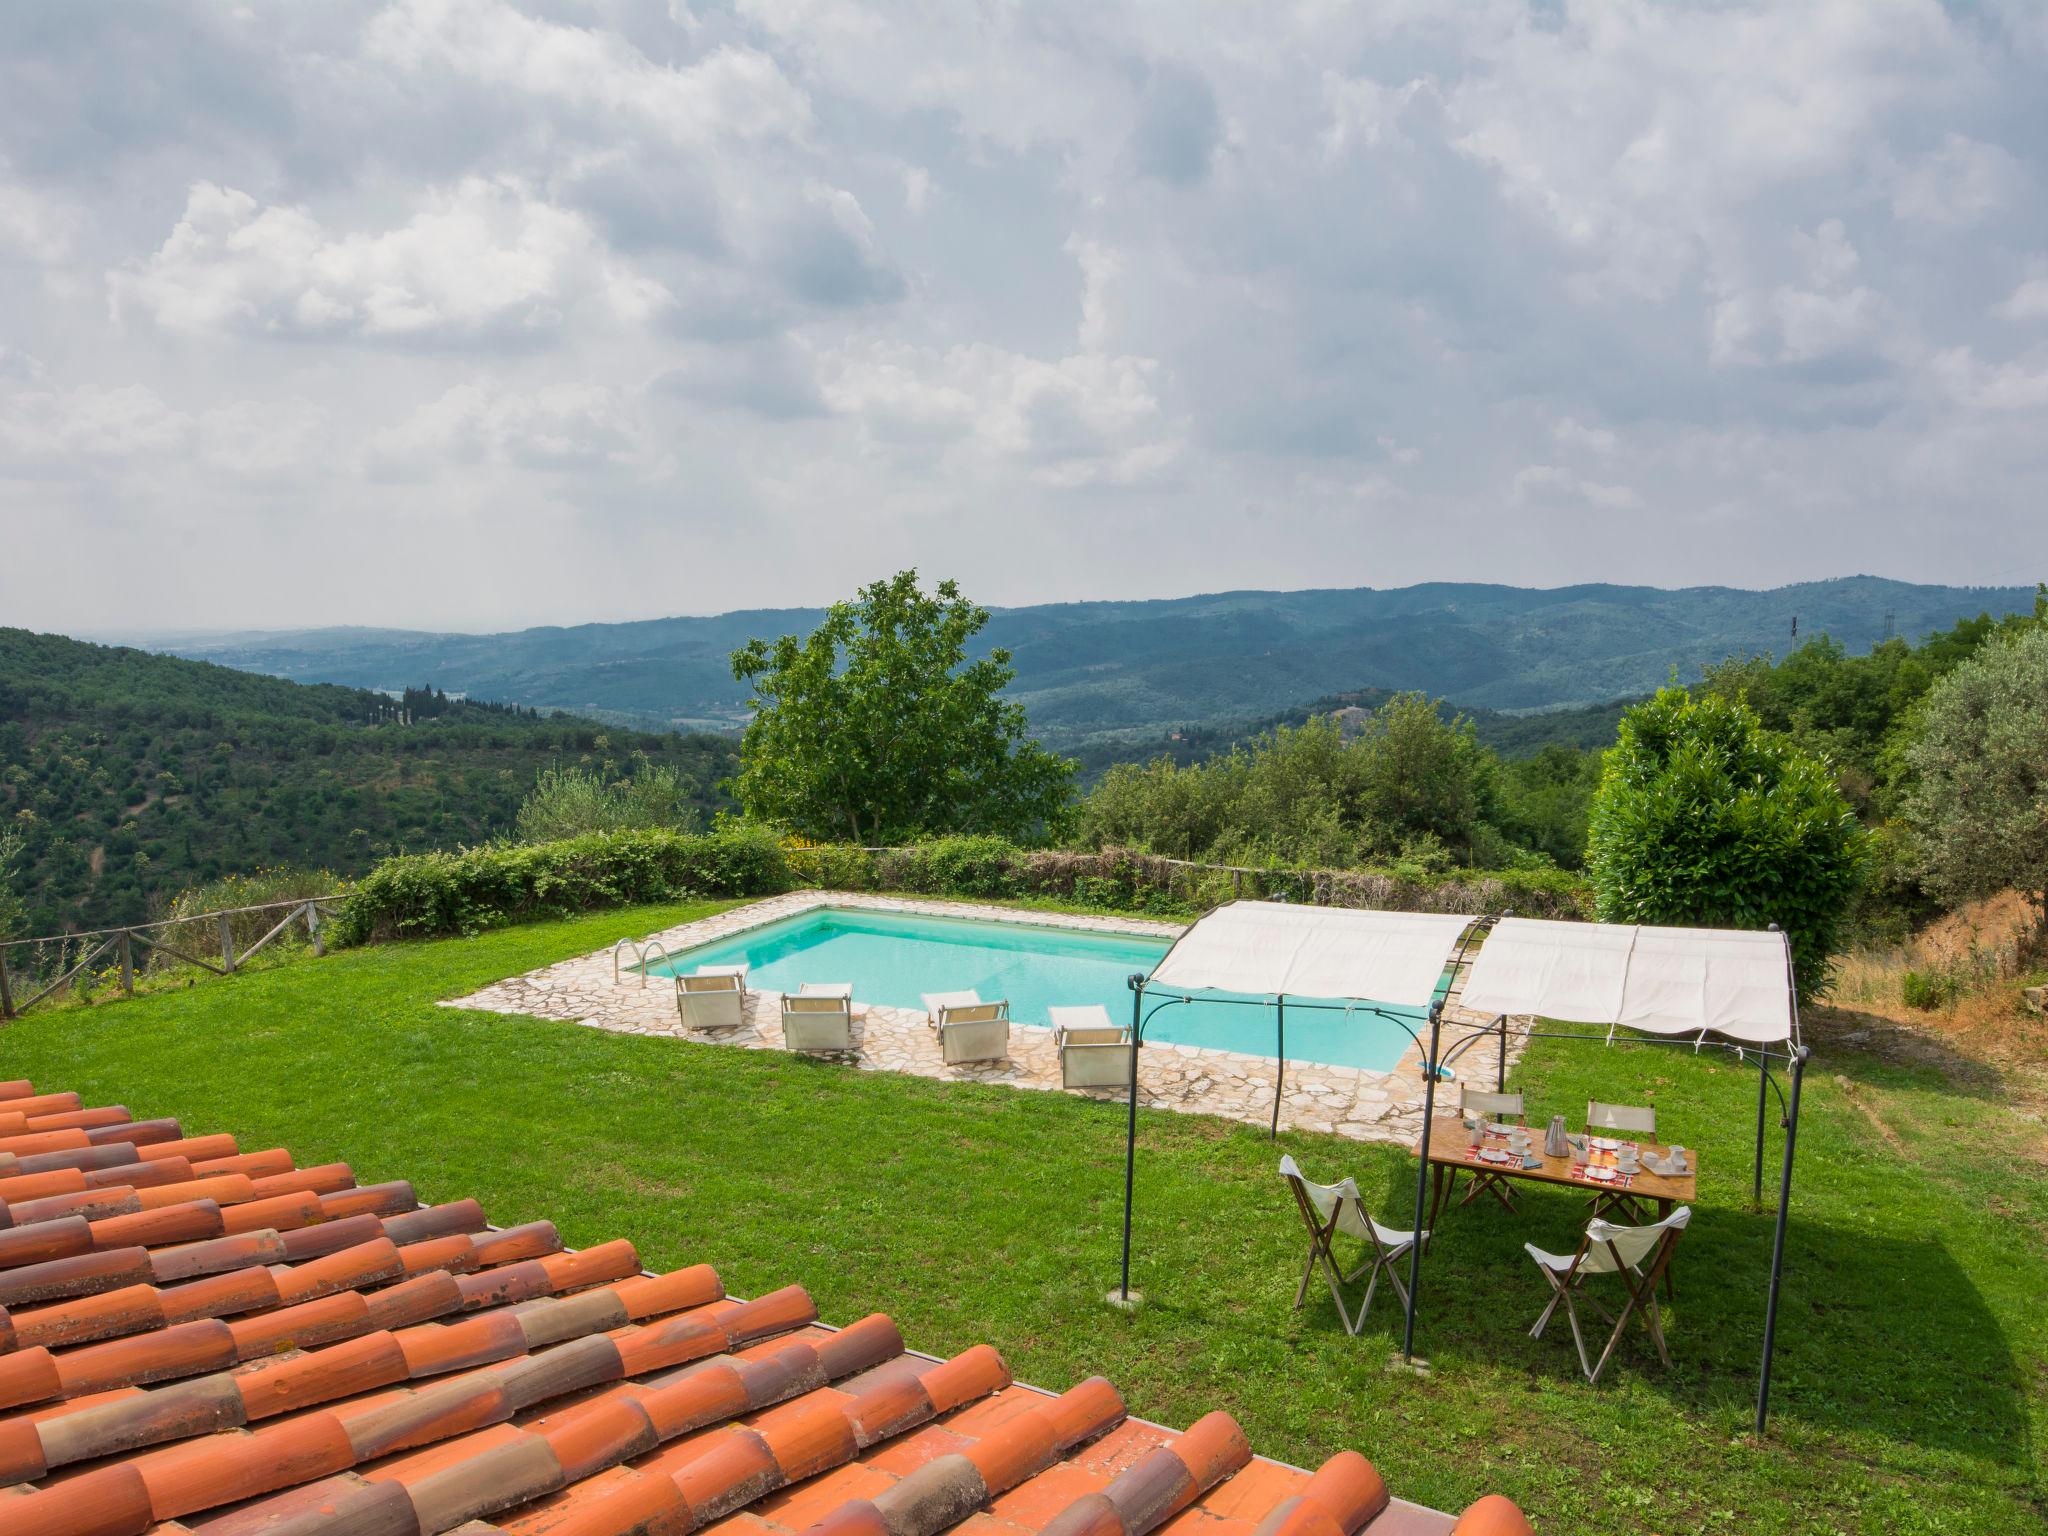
(201, 1341)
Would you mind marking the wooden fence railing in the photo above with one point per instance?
(217, 928)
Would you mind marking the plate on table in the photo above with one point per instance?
(1496, 1155)
(1603, 1143)
(1601, 1175)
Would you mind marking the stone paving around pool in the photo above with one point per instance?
(1344, 1101)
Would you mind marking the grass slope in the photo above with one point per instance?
(1913, 1344)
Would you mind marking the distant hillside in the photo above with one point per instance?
(1092, 672)
(133, 775)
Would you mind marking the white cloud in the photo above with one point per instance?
(2029, 301)
(917, 188)
(50, 431)
(484, 260)
(60, 431)
(36, 230)
(2019, 385)
(1082, 420)
(732, 92)
(1957, 184)
(1574, 434)
(561, 428)
(1536, 483)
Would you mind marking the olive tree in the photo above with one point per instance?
(876, 727)
(1979, 761)
(1703, 818)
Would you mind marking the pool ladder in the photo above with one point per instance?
(643, 951)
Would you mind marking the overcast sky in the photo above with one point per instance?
(462, 314)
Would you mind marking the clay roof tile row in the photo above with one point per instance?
(201, 1341)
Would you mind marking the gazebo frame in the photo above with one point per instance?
(1436, 1060)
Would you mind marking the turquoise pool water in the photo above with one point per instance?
(893, 957)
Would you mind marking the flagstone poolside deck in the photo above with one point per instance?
(1343, 1101)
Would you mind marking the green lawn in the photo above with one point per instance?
(1913, 1351)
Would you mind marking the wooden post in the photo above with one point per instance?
(6, 993)
(313, 928)
(127, 962)
(227, 942)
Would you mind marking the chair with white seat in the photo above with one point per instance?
(1639, 1255)
(1620, 1117)
(712, 1000)
(818, 1017)
(1094, 1053)
(1499, 1107)
(1632, 1119)
(1330, 1209)
(969, 1030)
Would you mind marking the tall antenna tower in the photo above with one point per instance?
(1888, 623)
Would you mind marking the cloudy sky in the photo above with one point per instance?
(466, 314)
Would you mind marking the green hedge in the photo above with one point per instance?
(428, 895)
(1129, 881)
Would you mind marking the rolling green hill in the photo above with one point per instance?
(1092, 674)
(132, 775)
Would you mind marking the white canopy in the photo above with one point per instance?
(1268, 948)
(1664, 981)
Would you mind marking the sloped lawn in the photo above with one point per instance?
(1912, 1341)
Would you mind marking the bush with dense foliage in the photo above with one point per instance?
(876, 727)
(569, 801)
(423, 895)
(1408, 787)
(1979, 763)
(1127, 880)
(428, 894)
(1705, 819)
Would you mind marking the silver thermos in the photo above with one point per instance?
(1556, 1143)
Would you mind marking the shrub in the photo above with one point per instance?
(257, 889)
(831, 867)
(1929, 990)
(1980, 759)
(425, 895)
(568, 802)
(1704, 818)
(953, 866)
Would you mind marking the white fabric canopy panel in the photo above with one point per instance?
(1663, 981)
(1271, 949)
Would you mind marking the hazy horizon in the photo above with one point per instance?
(475, 315)
(146, 636)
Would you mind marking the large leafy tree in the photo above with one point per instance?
(1704, 818)
(876, 727)
(1979, 763)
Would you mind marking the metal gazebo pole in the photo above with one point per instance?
(1280, 1077)
(1137, 985)
(1436, 1019)
(1763, 1090)
(1763, 1386)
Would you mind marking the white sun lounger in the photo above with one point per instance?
(712, 999)
(818, 1017)
(1094, 1053)
(969, 1029)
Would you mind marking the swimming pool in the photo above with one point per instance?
(893, 957)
